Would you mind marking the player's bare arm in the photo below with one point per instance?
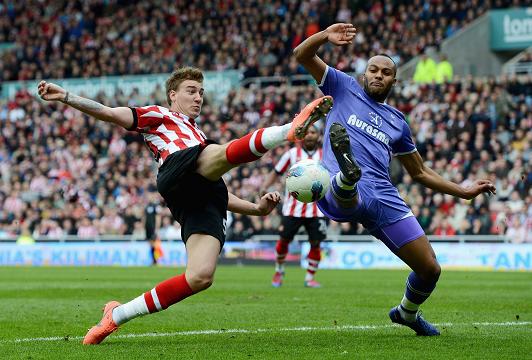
(413, 163)
(265, 205)
(121, 116)
(337, 34)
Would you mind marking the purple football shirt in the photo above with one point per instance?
(377, 132)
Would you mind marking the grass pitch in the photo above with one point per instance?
(46, 312)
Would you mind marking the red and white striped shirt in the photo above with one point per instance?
(165, 131)
(292, 207)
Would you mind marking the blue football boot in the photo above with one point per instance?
(421, 326)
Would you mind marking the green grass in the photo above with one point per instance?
(65, 302)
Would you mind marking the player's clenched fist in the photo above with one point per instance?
(51, 92)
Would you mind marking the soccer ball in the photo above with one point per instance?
(307, 181)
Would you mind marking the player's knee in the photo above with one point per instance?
(432, 272)
(201, 280)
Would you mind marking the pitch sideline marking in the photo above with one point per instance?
(257, 331)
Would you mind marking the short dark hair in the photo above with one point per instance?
(180, 75)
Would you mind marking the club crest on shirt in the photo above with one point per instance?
(375, 119)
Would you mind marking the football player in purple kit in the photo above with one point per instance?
(362, 133)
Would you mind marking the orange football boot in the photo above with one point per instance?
(104, 328)
(311, 113)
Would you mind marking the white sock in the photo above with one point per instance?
(275, 135)
(408, 309)
(343, 183)
(125, 312)
(311, 270)
(279, 267)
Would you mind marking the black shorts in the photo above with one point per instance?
(198, 204)
(316, 227)
(151, 234)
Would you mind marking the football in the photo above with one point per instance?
(307, 181)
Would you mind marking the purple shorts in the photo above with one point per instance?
(380, 210)
(400, 233)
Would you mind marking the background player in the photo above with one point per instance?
(297, 214)
(152, 224)
(189, 179)
(361, 124)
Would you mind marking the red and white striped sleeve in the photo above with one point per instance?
(284, 163)
(146, 118)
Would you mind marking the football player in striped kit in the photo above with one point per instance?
(189, 179)
(297, 213)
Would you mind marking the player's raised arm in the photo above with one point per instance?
(121, 116)
(431, 179)
(265, 205)
(338, 34)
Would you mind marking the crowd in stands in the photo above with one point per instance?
(64, 39)
(524, 65)
(63, 173)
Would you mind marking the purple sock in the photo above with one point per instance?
(417, 290)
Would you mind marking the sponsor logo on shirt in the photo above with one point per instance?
(371, 129)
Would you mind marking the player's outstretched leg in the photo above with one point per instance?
(419, 255)
(252, 146)
(313, 258)
(281, 249)
(216, 160)
(344, 183)
(159, 298)
(202, 255)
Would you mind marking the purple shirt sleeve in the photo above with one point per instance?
(405, 144)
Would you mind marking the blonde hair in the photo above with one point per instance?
(180, 75)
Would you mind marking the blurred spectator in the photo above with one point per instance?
(444, 70)
(426, 70)
(170, 230)
(517, 231)
(425, 218)
(444, 228)
(25, 237)
(87, 229)
(139, 232)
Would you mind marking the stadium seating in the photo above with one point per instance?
(93, 179)
(63, 39)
